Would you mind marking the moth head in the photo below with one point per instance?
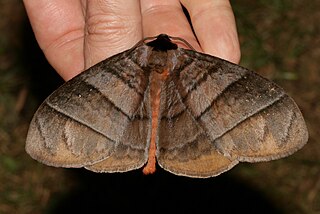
(162, 43)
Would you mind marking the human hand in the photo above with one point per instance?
(76, 34)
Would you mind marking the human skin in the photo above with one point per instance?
(76, 34)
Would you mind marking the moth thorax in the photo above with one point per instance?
(162, 60)
(158, 60)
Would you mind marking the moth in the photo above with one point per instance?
(194, 114)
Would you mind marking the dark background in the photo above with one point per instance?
(279, 39)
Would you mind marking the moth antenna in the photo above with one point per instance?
(170, 37)
(182, 40)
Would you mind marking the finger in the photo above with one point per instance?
(112, 26)
(58, 26)
(166, 16)
(214, 24)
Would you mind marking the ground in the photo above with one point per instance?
(279, 39)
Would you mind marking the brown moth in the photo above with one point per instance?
(195, 114)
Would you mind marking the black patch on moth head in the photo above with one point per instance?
(162, 43)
